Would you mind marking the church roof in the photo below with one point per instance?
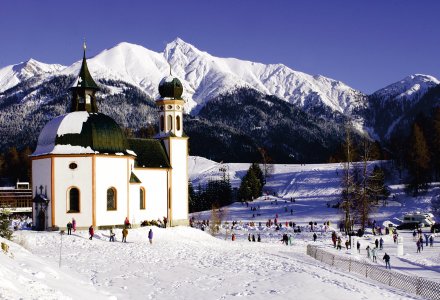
(150, 153)
(134, 178)
(82, 132)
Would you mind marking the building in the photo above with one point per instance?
(16, 199)
(85, 168)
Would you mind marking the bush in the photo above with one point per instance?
(150, 223)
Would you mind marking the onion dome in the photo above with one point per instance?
(82, 132)
(170, 87)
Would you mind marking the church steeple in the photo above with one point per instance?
(84, 89)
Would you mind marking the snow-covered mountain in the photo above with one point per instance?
(204, 76)
(409, 88)
(12, 75)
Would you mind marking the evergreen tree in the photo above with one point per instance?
(418, 159)
(251, 187)
(436, 142)
(5, 232)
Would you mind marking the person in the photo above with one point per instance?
(150, 236)
(339, 247)
(124, 235)
(290, 239)
(376, 243)
(386, 258)
(249, 237)
(358, 246)
(233, 237)
(431, 240)
(374, 252)
(258, 238)
(112, 235)
(368, 251)
(165, 221)
(381, 243)
(418, 246)
(74, 224)
(347, 243)
(426, 239)
(414, 235)
(421, 242)
(91, 232)
(253, 237)
(314, 237)
(127, 223)
(69, 228)
(334, 238)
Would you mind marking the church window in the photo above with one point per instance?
(178, 122)
(73, 201)
(142, 198)
(162, 123)
(170, 122)
(111, 199)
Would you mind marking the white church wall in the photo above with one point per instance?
(112, 172)
(179, 180)
(66, 178)
(41, 176)
(154, 181)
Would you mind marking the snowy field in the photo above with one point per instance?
(188, 263)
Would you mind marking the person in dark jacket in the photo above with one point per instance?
(150, 236)
(91, 232)
(69, 228)
(314, 237)
(386, 258)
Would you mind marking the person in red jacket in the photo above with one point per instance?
(91, 232)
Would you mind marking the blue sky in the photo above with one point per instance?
(366, 44)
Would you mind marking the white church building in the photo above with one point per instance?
(85, 168)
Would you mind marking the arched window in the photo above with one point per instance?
(73, 200)
(162, 123)
(142, 198)
(178, 123)
(111, 199)
(170, 122)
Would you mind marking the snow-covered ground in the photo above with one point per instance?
(187, 263)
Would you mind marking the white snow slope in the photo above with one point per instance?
(187, 263)
(204, 76)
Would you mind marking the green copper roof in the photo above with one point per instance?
(150, 153)
(99, 132)
(134, 178)
(85, 80)
(171, 87)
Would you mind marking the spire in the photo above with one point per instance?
(170, 68)
(85, 80)
(84, 88)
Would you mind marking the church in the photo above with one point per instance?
(85, 168)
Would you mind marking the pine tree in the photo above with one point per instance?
(5, 232)
(436, 142)
(418, 161)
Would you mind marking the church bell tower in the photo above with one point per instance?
(171, 133)
(84, 89)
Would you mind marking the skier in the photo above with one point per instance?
(373, 252)
(124, 235)
(69, 228)
(314, 237)
(74, 224)
(91, 232)
(150, 236)
(381, 243)
(386, 258)
(421, 242)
